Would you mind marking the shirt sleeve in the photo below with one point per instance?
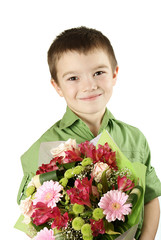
(153, 184)
(29, 161)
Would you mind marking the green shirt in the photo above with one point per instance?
(128, 138)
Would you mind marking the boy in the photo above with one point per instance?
(84, 71)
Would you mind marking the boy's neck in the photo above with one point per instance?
(93, 121)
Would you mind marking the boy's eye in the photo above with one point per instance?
(98, 73)
(73, 78)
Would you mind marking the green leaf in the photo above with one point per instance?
(59, 236)
(48, 176)
(86, 214)
(69, 165)
(122, 227)
(109, 228)
(105, 237)
(40, 227)
(104, 182)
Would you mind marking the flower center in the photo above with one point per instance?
(48, 196)
(116, 206)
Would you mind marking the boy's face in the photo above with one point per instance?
(85, 81)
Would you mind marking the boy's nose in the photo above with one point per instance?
(89, 85)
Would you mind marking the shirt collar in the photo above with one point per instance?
(70, 117)
(105, 121)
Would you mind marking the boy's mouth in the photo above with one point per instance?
(90, 98)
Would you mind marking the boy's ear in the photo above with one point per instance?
(115, 75)
(57, 88)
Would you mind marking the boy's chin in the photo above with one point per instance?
(90, 111)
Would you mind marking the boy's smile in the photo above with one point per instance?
(85, 81)
(90, 97)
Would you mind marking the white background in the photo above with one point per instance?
(29, 104)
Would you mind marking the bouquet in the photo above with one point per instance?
(85, 192)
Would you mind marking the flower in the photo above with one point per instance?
(98, 214)
(26, 208)
(72, 156)
(103, 153)
(114, 205)
(77, 223)
(97, 227)
(63, 181)
(42, 213)
(98, 169)
(77, 170)
(73, 171)
(45, 234)
(60, 150)
(49, 166)
(30, 190)
(77, 208)
(86, 229)
(69, 173)
(60, 220)
(81, 203)
(80, 194)
(124, 184)
(48, 193)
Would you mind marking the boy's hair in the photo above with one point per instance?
(82, 40)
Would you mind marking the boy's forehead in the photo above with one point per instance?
(71, 59)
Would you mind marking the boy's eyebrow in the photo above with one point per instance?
(67, 73)
(100, 66)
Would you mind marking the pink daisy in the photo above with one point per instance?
(48, 193)
(45, 234)
(114, 205)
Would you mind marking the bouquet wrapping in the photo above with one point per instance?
(89, 191)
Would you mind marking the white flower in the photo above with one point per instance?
(60, 150)
(26, 209)
(98, 169)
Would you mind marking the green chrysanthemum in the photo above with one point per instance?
(86, 230)
(77, 223)
(98, 214)
(77, 170)
(77, 208)
(30, 190)
(87, 237)
(69, 173)
(63, 182)
(33, 196)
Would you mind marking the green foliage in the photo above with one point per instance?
(104, 182)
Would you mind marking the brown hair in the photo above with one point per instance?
(82, 40)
